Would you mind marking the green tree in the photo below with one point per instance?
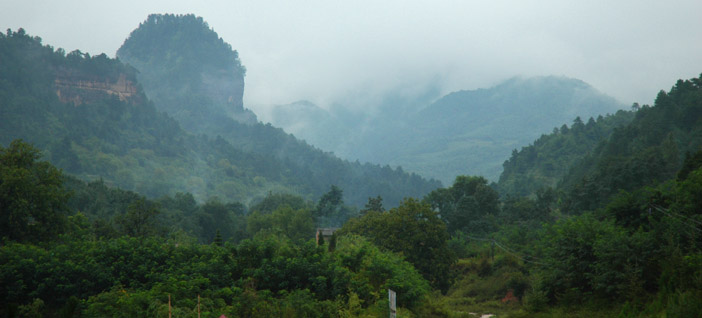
(330, 203)
(691, 163)
(139, 219)
(466, 204)
(275, 200)
(374, 204)
(295, 224)
(414, 230)
(218, 239)
(330, 210)
(33, 202)
(228, 218)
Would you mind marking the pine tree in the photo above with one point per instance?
(218, 238)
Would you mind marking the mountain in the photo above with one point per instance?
(195, 84)
(464, 132)
(92, 119)
(153, 39)
(321, 169)
(358, 128)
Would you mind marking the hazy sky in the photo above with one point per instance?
(324, 51)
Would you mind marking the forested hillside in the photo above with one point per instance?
(649, 150)
(176, 54)
(92, 119)
(71, 249)
(589, 163)
(545, 162)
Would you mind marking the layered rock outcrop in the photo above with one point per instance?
(80, 89)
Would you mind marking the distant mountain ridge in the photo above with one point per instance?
(465, 132)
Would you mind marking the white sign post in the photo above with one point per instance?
(392, 297)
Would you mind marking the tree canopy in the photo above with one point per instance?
(32, 197)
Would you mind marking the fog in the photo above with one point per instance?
(334, 51)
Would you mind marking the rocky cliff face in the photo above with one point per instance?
(226, 89)
(76, 89)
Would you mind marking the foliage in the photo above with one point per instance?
(131, 144)
(331, 210)
(591, 257)
(374, 204)
(621, 233)
(414, 230)
(545, 162)
(32, 197)
(647, 151)
(297, 225)
(139, 220)
(193, 75)
(270, 276)
(372, 272)
(466, 205)
(274, 201)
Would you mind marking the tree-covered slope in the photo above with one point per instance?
(545, 162)
(160, 48)
(71, 106)
(649, 150)
(91, 118)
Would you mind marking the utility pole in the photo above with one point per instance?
(492, 250)
(392, 298)
(169, 305)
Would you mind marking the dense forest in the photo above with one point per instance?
(545, 162)
(599, 219)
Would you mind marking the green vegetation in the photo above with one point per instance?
(544, 163)
(414, 230)
(123, 255)
(128, 143)
(187, 70)
(618, 235)
(32, 197)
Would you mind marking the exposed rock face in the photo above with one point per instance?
(226, 89)
(80, 90)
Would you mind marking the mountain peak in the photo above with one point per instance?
(181, 53)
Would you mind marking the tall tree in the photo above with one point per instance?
(32, 198)
(374, 204)
(139, 219)
(414, 230)
(465, 205)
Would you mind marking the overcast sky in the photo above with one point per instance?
(327, 50)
